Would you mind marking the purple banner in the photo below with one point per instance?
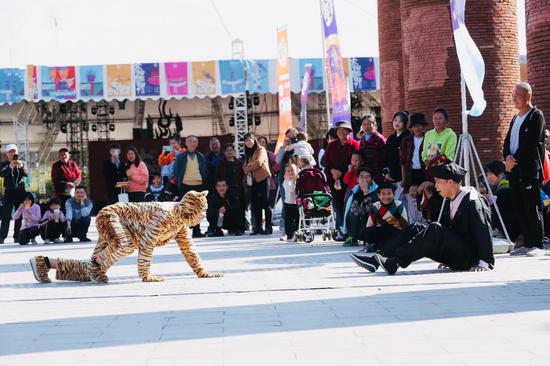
(303, 97)
(339, 91)
(147, 80)
(362, 73)
(176, 78)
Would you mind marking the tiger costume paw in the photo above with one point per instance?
(210, 275)
(96, 274)
(152, 279)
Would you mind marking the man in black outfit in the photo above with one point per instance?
(114, 171)
(523, 152)
(462, 241)
(224, 206)
(13, 171)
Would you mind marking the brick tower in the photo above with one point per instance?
(538, 52)
(391, 61)
(431, 72)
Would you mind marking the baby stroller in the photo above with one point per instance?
(314, 205)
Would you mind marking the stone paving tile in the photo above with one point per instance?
(277, 304)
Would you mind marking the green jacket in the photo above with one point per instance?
(439, 143)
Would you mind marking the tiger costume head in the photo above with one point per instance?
(192, 204)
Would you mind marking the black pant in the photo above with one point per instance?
(291, 219)
(183, 189)
(12, 199)
(417, 176)
(380, 236)
(63, 198)
(528, 208)
(440, 244)
(233, 220)
(28, 234)
(53, 230)
(338, 199)
(79, 227)
(260, 201)
(136, 196)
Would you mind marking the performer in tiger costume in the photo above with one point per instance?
(125, 227)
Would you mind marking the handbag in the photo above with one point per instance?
(123, 196)
(249, 180)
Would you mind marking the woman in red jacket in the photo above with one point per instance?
(337, 159)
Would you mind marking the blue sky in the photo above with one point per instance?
(67, 32)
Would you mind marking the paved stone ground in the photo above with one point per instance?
(277, 304)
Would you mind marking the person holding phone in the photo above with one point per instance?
(14, 172)
(66, 176)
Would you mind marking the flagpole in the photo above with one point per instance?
(465, 144)
(327, 85)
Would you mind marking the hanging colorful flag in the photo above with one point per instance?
(257, 79)
(176, 78)
(32, 83)
(119, 81)
(231, 76)
(12, 85)
(91, 81)
(204, 77)
(147, 80)
(58, 82)
(339, 90)
(362, 73)
(303, 97)
(283, 86)
(315, 75)
(472, 65)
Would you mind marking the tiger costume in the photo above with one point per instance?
(125, 227)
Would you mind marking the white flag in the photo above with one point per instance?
(472, 65)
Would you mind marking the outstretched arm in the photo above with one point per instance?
(191, 256)
(147, 243)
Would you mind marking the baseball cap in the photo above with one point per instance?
(11, 147)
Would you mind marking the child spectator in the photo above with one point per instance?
(387, 218)
(496, 175)
(157, 192)
(392, 169)
(350, 178)
(358, 205)
(291, 208)
(30, 212)
(302, 147)
(53, 223)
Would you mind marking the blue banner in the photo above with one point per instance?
(91, 81)
(258, 76)
(231, 76)
(362, 73)
(147, 79)
(12, 85)
(316, 73)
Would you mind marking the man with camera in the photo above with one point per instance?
(13, 171)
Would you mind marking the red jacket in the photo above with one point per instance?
(338, 156)
(62, 174)
(373, 152)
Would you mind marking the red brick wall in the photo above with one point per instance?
(431, 72)
(538, 52)
(391, 61)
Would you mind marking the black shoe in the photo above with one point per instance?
(216, 233)
(239, 233)
(365, 261)
(198, 235)
(267, 232)
(339, 236)
(84, 240)
(68, 240)
(1, 241)
(256, 232)
(388, 264)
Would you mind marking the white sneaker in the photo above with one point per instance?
(535, 252)
(33, 241)
(283, 238)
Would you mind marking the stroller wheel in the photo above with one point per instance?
(308, 237)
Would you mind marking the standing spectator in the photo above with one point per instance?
(440, 140)
(66, 176)
(392, 169)
(156, 191)
(191, 173)
(256, 169)
(78, 210)
(30, 213)
(138, 176)
(291, 208)
(412, 165)
(53, 224)
(114, 171)
(283, 158)
(224, 212)
(212, 160)
(337, 159)
(230, 170)
(273, 169)
(523, 152)
(372, 146)
(13, 171)
(166, 162)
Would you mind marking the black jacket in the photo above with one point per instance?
(14, 179)
(230, 202)
(392, 163)
(472, 226)
(530, 153)
(113, 174)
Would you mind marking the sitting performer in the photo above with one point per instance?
(462, 241)
(125, 227)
